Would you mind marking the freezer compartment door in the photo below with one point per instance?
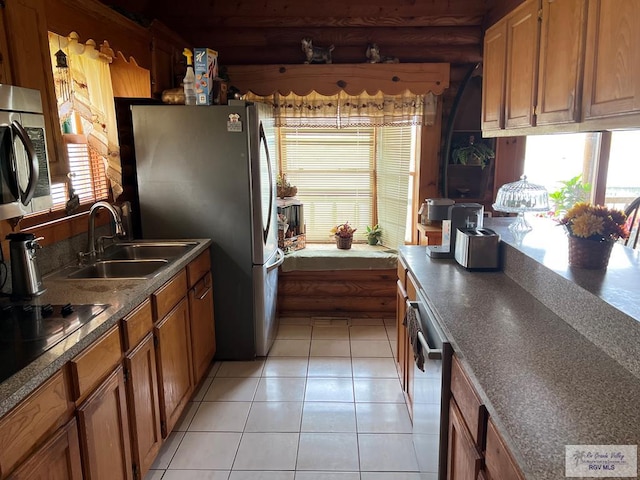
(265, 291)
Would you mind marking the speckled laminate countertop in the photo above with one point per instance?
(122, 295)
(544, 384)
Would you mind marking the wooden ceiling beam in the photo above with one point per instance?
(237, 21)
(233, 55)
(337, 8)
(384, 37)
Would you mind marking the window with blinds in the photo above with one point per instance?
(334, 171)
(87, 173)
(396, 150)
(359, 174)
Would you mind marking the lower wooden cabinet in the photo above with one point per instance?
(203, 333)
(464, 460)
(57, 459)
(173, 356)
(499, 464)
(104, 431)
(144, 405)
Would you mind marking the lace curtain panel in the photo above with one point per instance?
(343, 110)
(90, 96)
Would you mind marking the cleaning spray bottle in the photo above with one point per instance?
(189, 80)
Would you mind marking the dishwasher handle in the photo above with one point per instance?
(429, 352)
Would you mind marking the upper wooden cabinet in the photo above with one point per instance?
(493, 78)
(521, 68)
(561, 61)
(612, 66)
(30, 66)
(569, 65)
(510, 70)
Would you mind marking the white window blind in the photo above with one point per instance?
(396, 147)
(334, 172)
(87, 170)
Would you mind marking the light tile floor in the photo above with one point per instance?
(325, 404)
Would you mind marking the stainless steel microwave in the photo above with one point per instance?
(25, 181)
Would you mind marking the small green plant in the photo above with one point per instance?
(474, 153)
(571, 192)
(373, 234)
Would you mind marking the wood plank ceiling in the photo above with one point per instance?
(270, 31)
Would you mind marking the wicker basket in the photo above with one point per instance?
(589, 254)
(344, 243)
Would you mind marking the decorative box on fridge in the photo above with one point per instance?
(291, 230)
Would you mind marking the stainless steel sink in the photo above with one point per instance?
(149, 250)
(136, 260)
(120, 269)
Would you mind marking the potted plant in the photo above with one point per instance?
(343, 235)
(571, 192)
(474, 153)
(373, 234)
(592, 230)
(469, 170)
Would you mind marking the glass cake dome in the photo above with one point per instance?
(520, 197)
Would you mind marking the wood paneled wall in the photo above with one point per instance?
(348, 293)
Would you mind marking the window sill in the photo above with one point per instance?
(324, 256)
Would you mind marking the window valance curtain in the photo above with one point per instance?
(343, 110)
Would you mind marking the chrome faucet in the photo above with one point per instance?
(94, 251)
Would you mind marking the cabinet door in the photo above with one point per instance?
(173, 355)
(493, 76)
(203, 333)
(522, 65)
(57, 459)
(612, 64)
(144, 406)
(104, 431)
(464, 460)
(499, 463)
(561, 61)
(5, 70)
(26, 26)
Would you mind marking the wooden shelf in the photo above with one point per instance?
(329, 79)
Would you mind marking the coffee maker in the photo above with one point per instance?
(460, 215)
(25, 276)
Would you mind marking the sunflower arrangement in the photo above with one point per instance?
(343, 230)
(595, 222)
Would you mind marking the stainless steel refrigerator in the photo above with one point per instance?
(210, 172)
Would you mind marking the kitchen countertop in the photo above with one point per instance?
(122, 295)
(544, 383)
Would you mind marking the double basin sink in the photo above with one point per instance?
(130, 260)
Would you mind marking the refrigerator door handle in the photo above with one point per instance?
(279, 260)
(263, 141)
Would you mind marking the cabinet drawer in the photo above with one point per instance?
(499, 463)
(471, 407)
(137, 324)
(168, 296)
(197, 269)
(402, 272)
(49, 407)
(91, 366)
